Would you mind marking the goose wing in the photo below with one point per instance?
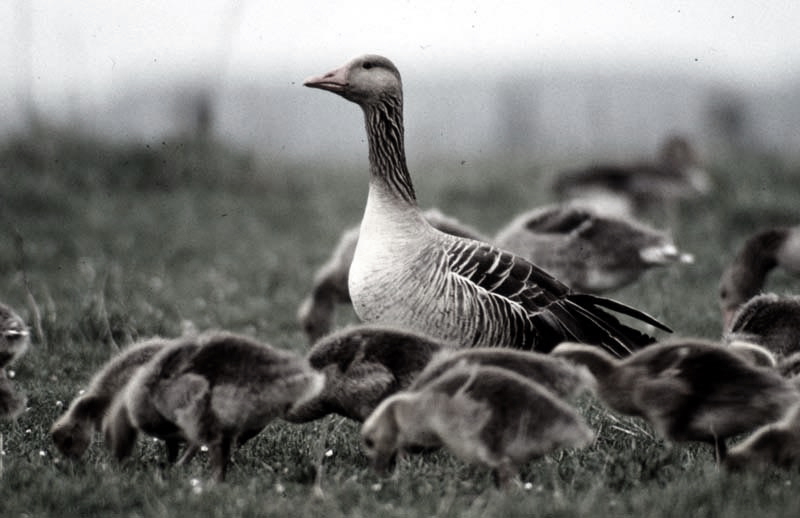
(554, 312)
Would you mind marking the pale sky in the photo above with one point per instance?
(98, 45)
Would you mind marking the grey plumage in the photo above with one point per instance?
(486, 415)
(557, 375)
(72, 432)
(218, 390)
(363, 365)
(771, 321)
(406, 273)
(587, 250)
(329, 287)
(689, 390)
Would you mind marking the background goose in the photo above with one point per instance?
(14, 341)
(225, 391)
(689, 390)
(587, 250)
(363, 365)
(405, 272)
(316, 312)
(557, 375)
(771, 321)
(72, 432)
(776, 444)
(467, 410)
(757, 257)
(640, 187)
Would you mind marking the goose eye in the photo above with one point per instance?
(369, 443)
(367, 65)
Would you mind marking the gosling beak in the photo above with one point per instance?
(334, 81)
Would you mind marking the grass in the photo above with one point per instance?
(117, 243)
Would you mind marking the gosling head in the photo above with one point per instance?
(380, 434)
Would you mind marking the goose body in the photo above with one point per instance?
(485, 415)
(557, 375)
(406, 273)
(218, 391)
(771, 321)
(690, 390)
(72, 432)
(587, 250)
(747, 273)
(640, 187)
(330, 286)
(363, 365)
(14, 341)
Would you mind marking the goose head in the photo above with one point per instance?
(364, 80)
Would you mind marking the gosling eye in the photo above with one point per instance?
(369, 443)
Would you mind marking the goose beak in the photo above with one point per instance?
(334, 81)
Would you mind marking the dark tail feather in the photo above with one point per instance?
(584, 300)
(568, 320)
(597, 327)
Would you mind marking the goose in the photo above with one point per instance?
(482, 414)
(562, 378)
(316, 311)
(14, 342)
(72, 432)
(770, 320)
(363, 365)
(587, 250)
(218, 393)
(774, 444)
(641, 187)
(758, 256)
(406, 273)
(689, 390)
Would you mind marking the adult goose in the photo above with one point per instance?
(588, 250)
(640, 187)
(758, 256)
(407, 273)
(316, 312)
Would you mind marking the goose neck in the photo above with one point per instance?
(387, 159)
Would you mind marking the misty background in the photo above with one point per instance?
(532, 81)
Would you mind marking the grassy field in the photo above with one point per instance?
(117, 243)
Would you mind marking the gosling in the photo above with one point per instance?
(689, 390)
(218, 393)
(776, 444)
(561, 377)
(72, 433)
(363, 365)
(484, 415)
